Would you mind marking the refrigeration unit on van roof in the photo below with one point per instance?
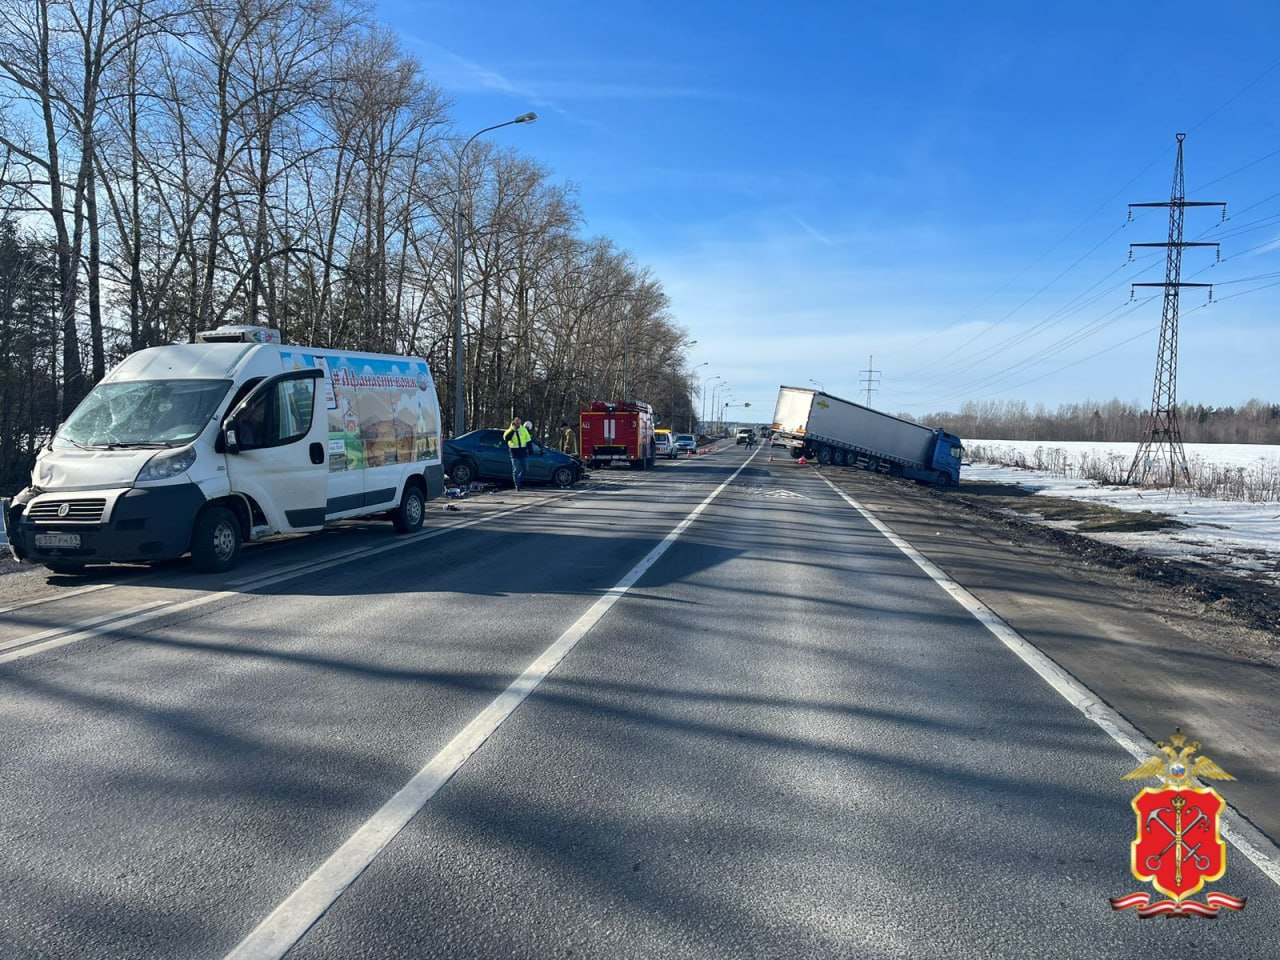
(239, 333)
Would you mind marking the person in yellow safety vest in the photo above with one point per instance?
(568, 439)
(518, 438)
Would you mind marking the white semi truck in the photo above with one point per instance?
(198, 447)
(816, 425)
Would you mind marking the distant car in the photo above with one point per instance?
(664, 444)
(482, 455)
(686, 443)
(746, 435)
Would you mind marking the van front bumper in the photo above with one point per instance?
(104, 526)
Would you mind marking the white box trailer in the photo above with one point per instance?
(199, 447)
(815, 424)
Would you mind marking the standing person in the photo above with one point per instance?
(518, 438)
(568, 439)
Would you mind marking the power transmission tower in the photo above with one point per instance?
(870, 381)
(1160, 452)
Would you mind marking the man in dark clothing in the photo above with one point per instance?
(518, 439)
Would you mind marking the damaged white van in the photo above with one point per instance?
(196, 448)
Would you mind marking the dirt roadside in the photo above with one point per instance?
(1164, 643)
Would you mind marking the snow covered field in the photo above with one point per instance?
(1242, 535)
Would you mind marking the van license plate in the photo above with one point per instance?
(57, 539)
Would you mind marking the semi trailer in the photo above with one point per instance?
(816, 425)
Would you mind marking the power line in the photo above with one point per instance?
(1070, 233)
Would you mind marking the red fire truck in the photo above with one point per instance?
(619, 432)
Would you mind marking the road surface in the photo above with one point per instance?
(706, 711)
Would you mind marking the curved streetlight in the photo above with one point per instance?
(715, 394)
(459, 360)
(818, 385)
(704, 394)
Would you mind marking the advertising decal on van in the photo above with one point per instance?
(380, 411)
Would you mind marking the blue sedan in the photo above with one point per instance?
(482, 455)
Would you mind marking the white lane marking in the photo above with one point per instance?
(1242, 834)
(153, 611)
(82, 624)
(66, 595)
(285, 926)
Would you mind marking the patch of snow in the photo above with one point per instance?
(1243, 536)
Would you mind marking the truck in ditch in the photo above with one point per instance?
(821, 427)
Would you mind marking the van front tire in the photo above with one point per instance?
(409, 515)
(215, 540)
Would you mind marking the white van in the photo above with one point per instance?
(199, 447)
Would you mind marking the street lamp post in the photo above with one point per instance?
(673, 387)
(459, 360)
(724, 410)
(704, 395)
(715, 394)
(818, 385)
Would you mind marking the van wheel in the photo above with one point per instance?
(462, 473)
(408, 517)
(563, 476)
(215, 540)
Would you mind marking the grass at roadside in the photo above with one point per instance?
(1073, 514)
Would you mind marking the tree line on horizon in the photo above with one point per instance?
(168, 166)
(1255, 421)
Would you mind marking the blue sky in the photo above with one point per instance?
(942, 187)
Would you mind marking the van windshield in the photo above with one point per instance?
(143, 413)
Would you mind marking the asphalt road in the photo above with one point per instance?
(782, 740)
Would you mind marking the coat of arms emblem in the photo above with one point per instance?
(1178, 848)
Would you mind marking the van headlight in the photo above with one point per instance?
(168, 464)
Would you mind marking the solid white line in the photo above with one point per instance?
(285, 926)
(80, 625)
(161, 608)
(1242, 834)
(58, 596)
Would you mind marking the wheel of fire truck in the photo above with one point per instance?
(463, 472)
(824, 455)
